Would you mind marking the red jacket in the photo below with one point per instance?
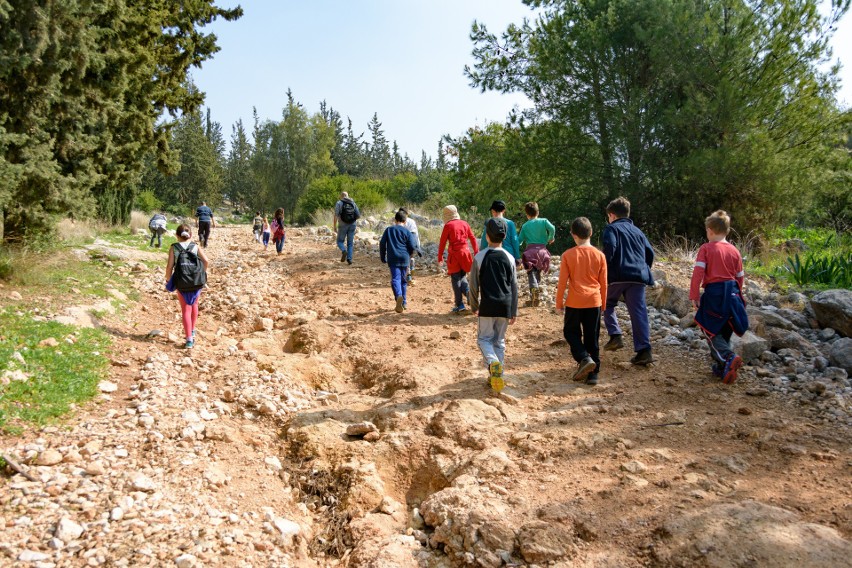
(456, 232)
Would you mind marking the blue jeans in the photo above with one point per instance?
(634, 297)
(398, 283)
(346, 232)
(491, 338)
(266, 235)
(460, 286)
(279, 245)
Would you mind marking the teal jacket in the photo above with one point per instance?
(510, 243)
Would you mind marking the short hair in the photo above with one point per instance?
(619, 207)
(183, 228)
(400, 216)
(344, 195)
(719, 222)
(257, 213)
(531, 208)
(204, 203)
(581, 227)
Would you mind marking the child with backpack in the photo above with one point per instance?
(257, 226)
(187, 274)
(279, 235)
(536, 234)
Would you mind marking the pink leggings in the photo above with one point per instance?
(190, 315)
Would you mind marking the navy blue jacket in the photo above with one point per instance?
(722, 304)
(204, 214)
(396, 247)
(629, 255)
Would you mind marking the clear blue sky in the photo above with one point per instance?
(403, 59)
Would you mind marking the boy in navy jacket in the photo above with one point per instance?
(395, 249)
(629, 257)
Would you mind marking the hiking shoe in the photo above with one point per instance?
(349, 261)
(643, 357)
(536, 297)
(343, 256)
(459, 309)
(585, 367)
(495, 370)
(400, 304)
(592, 379)
(189, 344)
(717, 369)
(732, 365)
(615, 342)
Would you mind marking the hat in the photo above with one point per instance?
(450, 213)
(498, 206)
(496, 229)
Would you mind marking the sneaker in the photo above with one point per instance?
(643, 358)
(343, 256)
(592, 379)
(400, 304)
(585, 367)
(536, 297)
(189, 344)
(349, 261)
(495, 370)
(732, 365)
(459, 309)
(717, 369)
(615, 342)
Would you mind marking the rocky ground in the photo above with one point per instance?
(313, 426)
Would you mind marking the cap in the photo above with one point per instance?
(498, 206)
(496, 229)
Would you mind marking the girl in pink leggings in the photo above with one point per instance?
(188, 299)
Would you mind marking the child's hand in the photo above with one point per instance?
(560, 311)
(512, 321)
(694, 305)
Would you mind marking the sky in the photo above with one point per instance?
(402, 59)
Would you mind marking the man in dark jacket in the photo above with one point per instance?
(629, 257)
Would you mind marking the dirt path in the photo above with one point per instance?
(236, 453)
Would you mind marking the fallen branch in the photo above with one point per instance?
(19, 468)
(665, 424)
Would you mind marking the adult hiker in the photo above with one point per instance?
(157, 226)
(346, 214)
(205, 222)
(279, 235)
(510, 243)
(457, 234)
(257, 226)
(186, 274)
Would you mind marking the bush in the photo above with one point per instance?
(147, 202)
(816, 268)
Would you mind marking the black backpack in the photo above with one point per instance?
(189, 274)
(348, 211)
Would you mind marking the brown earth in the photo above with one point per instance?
(550, 472)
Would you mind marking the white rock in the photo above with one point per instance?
(116, 514)
(141, 482)
(32, 556)
(106, 386)
(186, 561)
(207, 415)
(286, 527)
(274, 463)
(67, 530)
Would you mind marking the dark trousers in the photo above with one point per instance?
(581, 329)
(460, 286)
(203, 232)
(720, 344)
(634, 297)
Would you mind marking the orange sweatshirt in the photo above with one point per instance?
(584, 267)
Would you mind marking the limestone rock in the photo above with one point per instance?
(749, 346)
(748, 534)
(107, 386)
(467, 422)
(361, 428)
(48, 342)
(841, 354)
(833, 308)
(67, 530)
(141, 482)
(49, 457)
(671, 298)
(542, 542)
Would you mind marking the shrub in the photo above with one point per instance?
(147, 202)
(826, 269)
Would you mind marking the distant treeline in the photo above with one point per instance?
(682, 106)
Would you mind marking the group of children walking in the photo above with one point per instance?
(591, 283)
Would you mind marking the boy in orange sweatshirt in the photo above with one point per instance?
(584, 267)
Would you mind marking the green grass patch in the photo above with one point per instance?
(141, 242)
(57, 377)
